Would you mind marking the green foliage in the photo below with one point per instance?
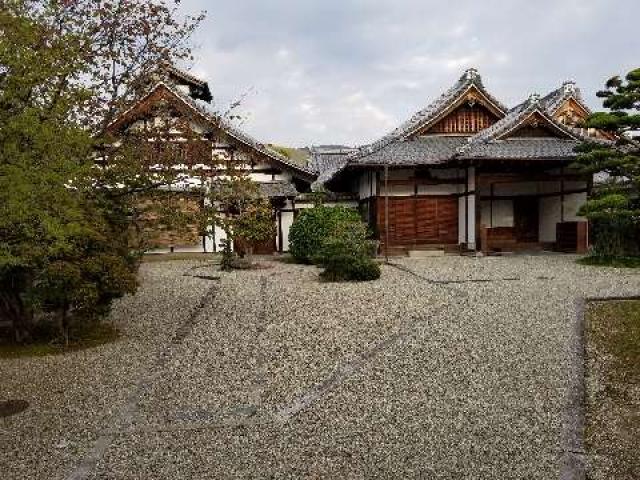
(226, 263)
(238, 207)
(313, 226)
(607, 261)
(346, 254)
(336, 239)
(65, 70)
(614, 207)
(615, 236)
(256, 223)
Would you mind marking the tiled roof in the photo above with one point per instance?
(489, 143)
(205, 109)
(514, 119)
(420, 151)
(432, 112)
(554, 100)
(326, 160)
(185, 76)
(523, 149)
(278, 189)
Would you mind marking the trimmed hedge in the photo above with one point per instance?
(335, 238)
(313, 226)
(615, 237)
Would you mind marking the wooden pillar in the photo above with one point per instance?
(280, 238)
(386, 212)
(415, 206)
(491, 204)
(466, 207)
(562, 195)
(477, 211)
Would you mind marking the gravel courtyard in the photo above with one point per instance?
(445, 368)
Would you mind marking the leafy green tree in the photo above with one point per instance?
(66, 69)
(614, 208)
(238, 207)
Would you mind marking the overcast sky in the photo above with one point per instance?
(348, 71)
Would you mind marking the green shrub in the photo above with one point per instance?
(313, 226)
(615, 237)
(349, 268)
(346, 255)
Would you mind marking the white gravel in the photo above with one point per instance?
(456, 368)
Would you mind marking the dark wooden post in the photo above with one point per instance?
(386, 213)
(466, 207)
(562, 194)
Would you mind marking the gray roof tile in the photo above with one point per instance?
(420, 151)
(523, 149)
(278, 189)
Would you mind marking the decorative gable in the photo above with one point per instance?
(471, 113)
(537, 126)
(467, 119)
(571, 113)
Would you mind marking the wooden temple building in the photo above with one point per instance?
(465, 173)
(469, 173)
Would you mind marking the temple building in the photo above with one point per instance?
(469, 173)
(466, 173)
(188, 98)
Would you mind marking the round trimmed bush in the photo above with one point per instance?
(313, 226)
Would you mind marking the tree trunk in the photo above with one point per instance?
(250, 253)
(64, 325)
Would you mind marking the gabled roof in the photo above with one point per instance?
(494, 142)
(516, 119)
(557, 98)
(203, 110)
(470, 80)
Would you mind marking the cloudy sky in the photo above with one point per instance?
(348, 71)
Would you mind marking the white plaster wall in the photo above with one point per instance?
(550, 212)
(287, 221)
(347, 204)
(220, 235)
(573, 203)
(264, 177)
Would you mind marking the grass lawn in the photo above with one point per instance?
(613, 390)
(89, 337)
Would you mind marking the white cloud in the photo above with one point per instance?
(348, 71)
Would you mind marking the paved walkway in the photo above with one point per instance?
(446, 368)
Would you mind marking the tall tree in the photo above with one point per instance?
(66, 68)
(615, 206)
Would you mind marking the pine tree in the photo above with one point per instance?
(614, 209)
